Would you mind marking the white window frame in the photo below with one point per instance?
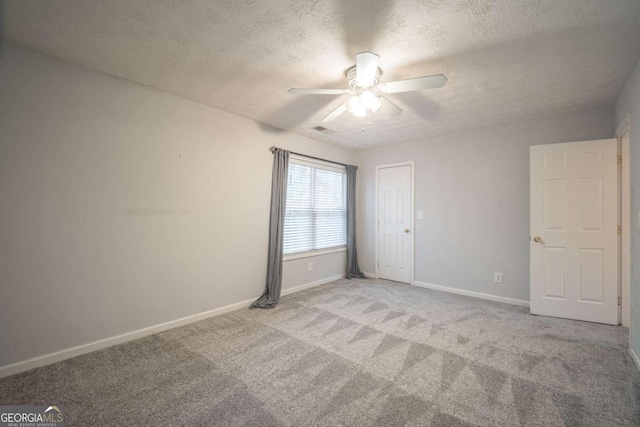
(319, 164)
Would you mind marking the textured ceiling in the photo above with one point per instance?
(506, 60)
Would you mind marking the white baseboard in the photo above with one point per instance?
(370, 275)
(68, 353)
(472, 294)
(635, 358)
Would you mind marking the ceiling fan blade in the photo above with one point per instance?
(335, 113)
(299, 91)
(366, 67)
(389, 108)
(419, 83)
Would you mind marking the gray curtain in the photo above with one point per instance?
(271, 295)
(353, 270)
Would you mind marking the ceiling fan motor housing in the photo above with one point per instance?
(353, 84)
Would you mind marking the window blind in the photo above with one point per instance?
(316, 209)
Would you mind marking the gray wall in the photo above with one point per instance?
(124, 207)
(629, 103)
(474, 190)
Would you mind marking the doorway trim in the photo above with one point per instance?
(411, 164)
(624, 130)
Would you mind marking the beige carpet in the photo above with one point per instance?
(352, 353)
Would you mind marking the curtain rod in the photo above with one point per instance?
(273, 150)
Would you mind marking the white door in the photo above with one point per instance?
(394, 223)
(574, 230)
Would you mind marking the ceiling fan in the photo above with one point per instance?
(363, 79)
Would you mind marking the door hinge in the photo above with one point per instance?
(619, 230)
(619, 301)
(619, 159)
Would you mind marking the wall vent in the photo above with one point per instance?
(323, 129)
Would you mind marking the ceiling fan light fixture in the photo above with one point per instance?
(370, 101)
(354, 103)
(356, 106)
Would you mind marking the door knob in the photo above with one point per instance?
(406, 230)
(537, 239)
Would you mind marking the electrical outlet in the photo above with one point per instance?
(420, 214)
(310, 266)
(497, 277)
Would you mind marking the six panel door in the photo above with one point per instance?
(574, 230)
(394, 229)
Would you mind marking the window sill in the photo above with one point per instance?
(310, 254)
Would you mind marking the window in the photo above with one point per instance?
(316, 210)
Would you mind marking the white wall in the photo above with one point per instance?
(474, 190)
(629, 103)
(124, 207)
(296, 272)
